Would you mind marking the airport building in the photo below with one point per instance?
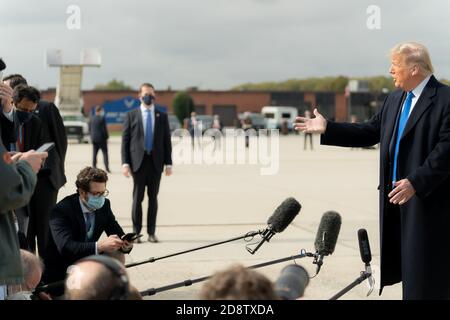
(228, 104)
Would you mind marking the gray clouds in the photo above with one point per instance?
(216, 44)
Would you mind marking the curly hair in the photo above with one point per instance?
(238, 283)
(88, 175)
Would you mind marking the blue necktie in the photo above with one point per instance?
(401, 126)
(89, 218)
(148, 132)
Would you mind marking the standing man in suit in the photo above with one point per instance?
(308, 135)
(99, 137)
(52, 176)
(28, 135)
(194, 128)
(146, 148)
(76, 224)
(413, 129)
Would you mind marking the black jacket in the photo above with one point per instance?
(7, 131)
(53, 131)
(414, 251)
(33, 132)
(66, 241)
(98, 129)
(133, 140)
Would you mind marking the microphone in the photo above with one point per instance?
(366, 256)
(327, 235)
(292, 282)
(2, 65)
(364, 247)
(279, 221)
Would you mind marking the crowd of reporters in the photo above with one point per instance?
(43, 253)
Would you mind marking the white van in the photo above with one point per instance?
(276, 115)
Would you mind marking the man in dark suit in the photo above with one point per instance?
(25, 134)
(52, 177)
(99, 137)
(76, 224)
(146, 148)
(413, 129)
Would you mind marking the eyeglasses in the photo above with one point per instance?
(100, 194)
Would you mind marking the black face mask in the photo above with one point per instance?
(148, 99)
(23, 116)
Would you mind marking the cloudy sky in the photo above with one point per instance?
(217, 44)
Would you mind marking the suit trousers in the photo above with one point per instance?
(104, 147)
(22, 223)
(41, 204)
(146, 176)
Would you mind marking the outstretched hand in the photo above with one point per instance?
(313, 125)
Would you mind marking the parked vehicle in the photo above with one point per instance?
(276, 116)
(76, 126)
(257, 119)
(206, 121)
(174, 123)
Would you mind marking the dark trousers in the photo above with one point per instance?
(146, 176)
(41, 204)
(104, 147)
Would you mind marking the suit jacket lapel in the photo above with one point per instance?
(422, 105)
(140, 126)
(79, 216)
(157, 124)
(98, 222)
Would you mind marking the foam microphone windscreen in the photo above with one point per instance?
(284, 214)
(364, 246)
(328, 232)
(2, 65)
(292, 282)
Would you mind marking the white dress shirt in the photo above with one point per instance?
(144, 124)
(417, 91)
(9, 115)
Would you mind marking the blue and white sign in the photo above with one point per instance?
(115, 110)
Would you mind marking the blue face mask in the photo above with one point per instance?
(148, 99)
(94, 202)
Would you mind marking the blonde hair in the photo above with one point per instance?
(414, 53)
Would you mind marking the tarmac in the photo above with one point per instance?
(201, 204)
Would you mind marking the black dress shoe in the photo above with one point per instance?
(152, 238)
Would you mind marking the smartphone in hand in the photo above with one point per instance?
(46, 147)
(131, 236)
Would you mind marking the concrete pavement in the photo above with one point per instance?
(201, 204)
